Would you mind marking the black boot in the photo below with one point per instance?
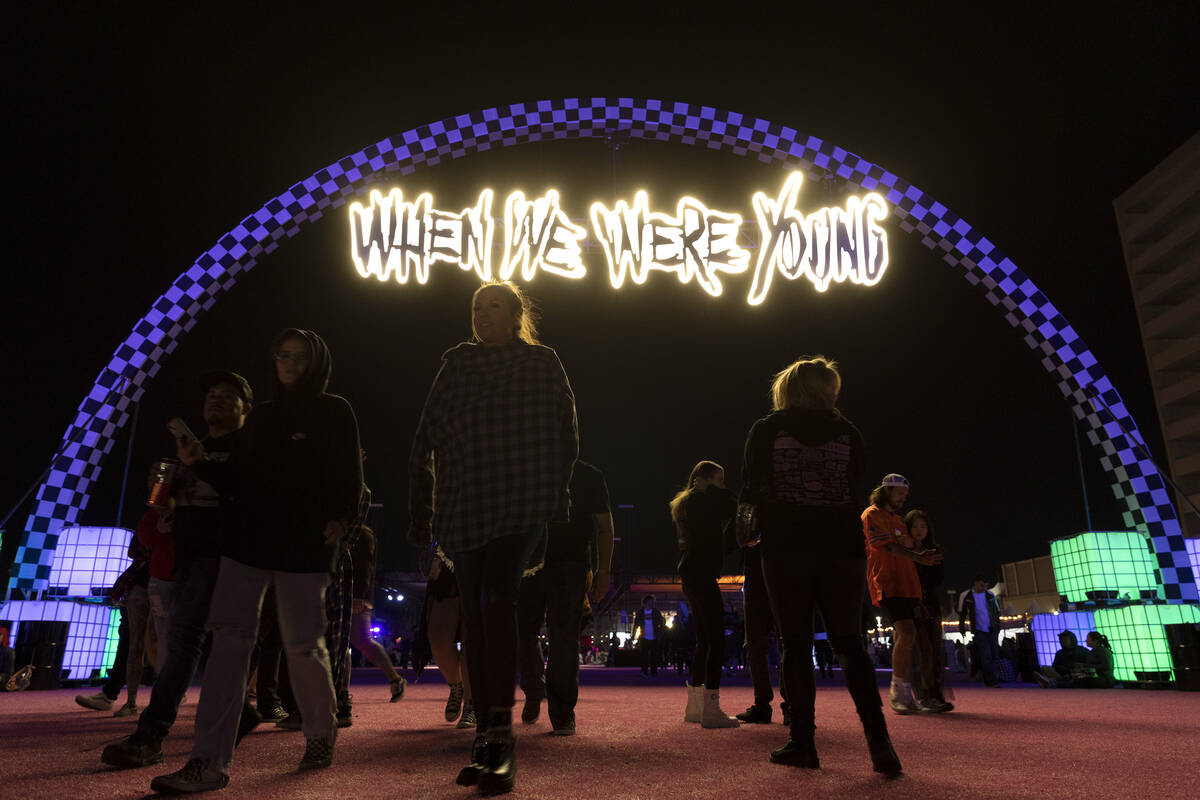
(757, 713)
(469, 775)
(797, 753)
(501, 772)
(883, 757)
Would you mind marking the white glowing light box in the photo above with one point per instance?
(88, 560)
(91, 636)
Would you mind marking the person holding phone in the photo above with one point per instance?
(196, 535)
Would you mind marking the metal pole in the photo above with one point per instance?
(1083, 480)
(128, 458)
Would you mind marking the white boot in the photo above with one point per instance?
(712, 716)
(695, 705)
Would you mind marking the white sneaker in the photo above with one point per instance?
(695, 704)
(712, 716)
(901, 698)
(96, 702)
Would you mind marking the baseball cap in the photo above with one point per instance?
(212, 378)
(893, 479)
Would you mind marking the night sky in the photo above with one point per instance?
(139, 141)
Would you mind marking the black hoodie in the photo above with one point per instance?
(296, 467)
(803, 470)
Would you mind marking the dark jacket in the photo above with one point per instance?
(498, 430)
(803, 470)
(702, 531)
(966, 612)
(296, 467)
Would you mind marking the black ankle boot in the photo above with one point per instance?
(469, 775)
(757, 713)
(787, 714)
(797, 753)
(500, 774)
(883, 757)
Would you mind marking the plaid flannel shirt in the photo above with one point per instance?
(495, 446)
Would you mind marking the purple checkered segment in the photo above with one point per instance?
(1136, 482)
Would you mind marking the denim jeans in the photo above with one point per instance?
(555, 594)
(194, 584)
(233, 620)
(162, 596)
(489, 580)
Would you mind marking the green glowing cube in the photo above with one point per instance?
(1121, 562)
(1138, 639)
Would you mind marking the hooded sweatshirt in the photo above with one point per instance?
(297, 466)
(803, 470)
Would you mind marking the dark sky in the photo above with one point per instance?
(139, 141)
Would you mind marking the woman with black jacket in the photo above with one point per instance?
(701, 513)
(928, 619)
(490, 467)
(803, 468)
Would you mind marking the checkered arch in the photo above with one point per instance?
(1136, 482)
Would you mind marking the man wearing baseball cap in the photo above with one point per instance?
(892, 578)
(197, 534)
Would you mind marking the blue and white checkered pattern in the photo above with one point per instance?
(1136, 481)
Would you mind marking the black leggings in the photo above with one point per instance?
(489, 581)
(798, 581)
(700, 588)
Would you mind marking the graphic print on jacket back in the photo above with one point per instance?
(811, 475)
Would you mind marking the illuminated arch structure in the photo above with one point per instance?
(1135, 480)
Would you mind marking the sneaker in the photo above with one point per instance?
(900, 696)
(96, 702)
(532, 709)
(932, 705)
(272, 713)
(19, 680)
(132, 752)
(318, 753)
(797, 754)
(467, 720)
(291, 722)
(398, 687)
(758, 713)
(1043, 680)
(127, 710)
(454, 703)
(344, 719)
(565, 728)
(194, 777)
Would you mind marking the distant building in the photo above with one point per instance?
(1159, 222)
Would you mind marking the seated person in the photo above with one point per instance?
(1076, 667)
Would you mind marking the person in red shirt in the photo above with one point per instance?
(154, 532)
(892, 578)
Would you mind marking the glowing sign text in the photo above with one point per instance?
(397, 238)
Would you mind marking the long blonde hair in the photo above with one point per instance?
(705, 469)
(522, 309)
(811, 382)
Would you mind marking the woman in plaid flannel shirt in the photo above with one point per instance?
(498, 431)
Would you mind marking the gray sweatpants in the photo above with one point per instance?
(233, 620)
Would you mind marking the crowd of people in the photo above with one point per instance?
(264, 545)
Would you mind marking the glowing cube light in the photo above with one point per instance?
(1120, 562)
(1137, 636)
(88, 560)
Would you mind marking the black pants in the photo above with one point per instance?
(489, 581)
(799, 581)
(929, 631)
(555, 594)
(708, 615)
(194, 585)
(757, 607)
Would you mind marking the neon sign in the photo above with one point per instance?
(395, 238)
